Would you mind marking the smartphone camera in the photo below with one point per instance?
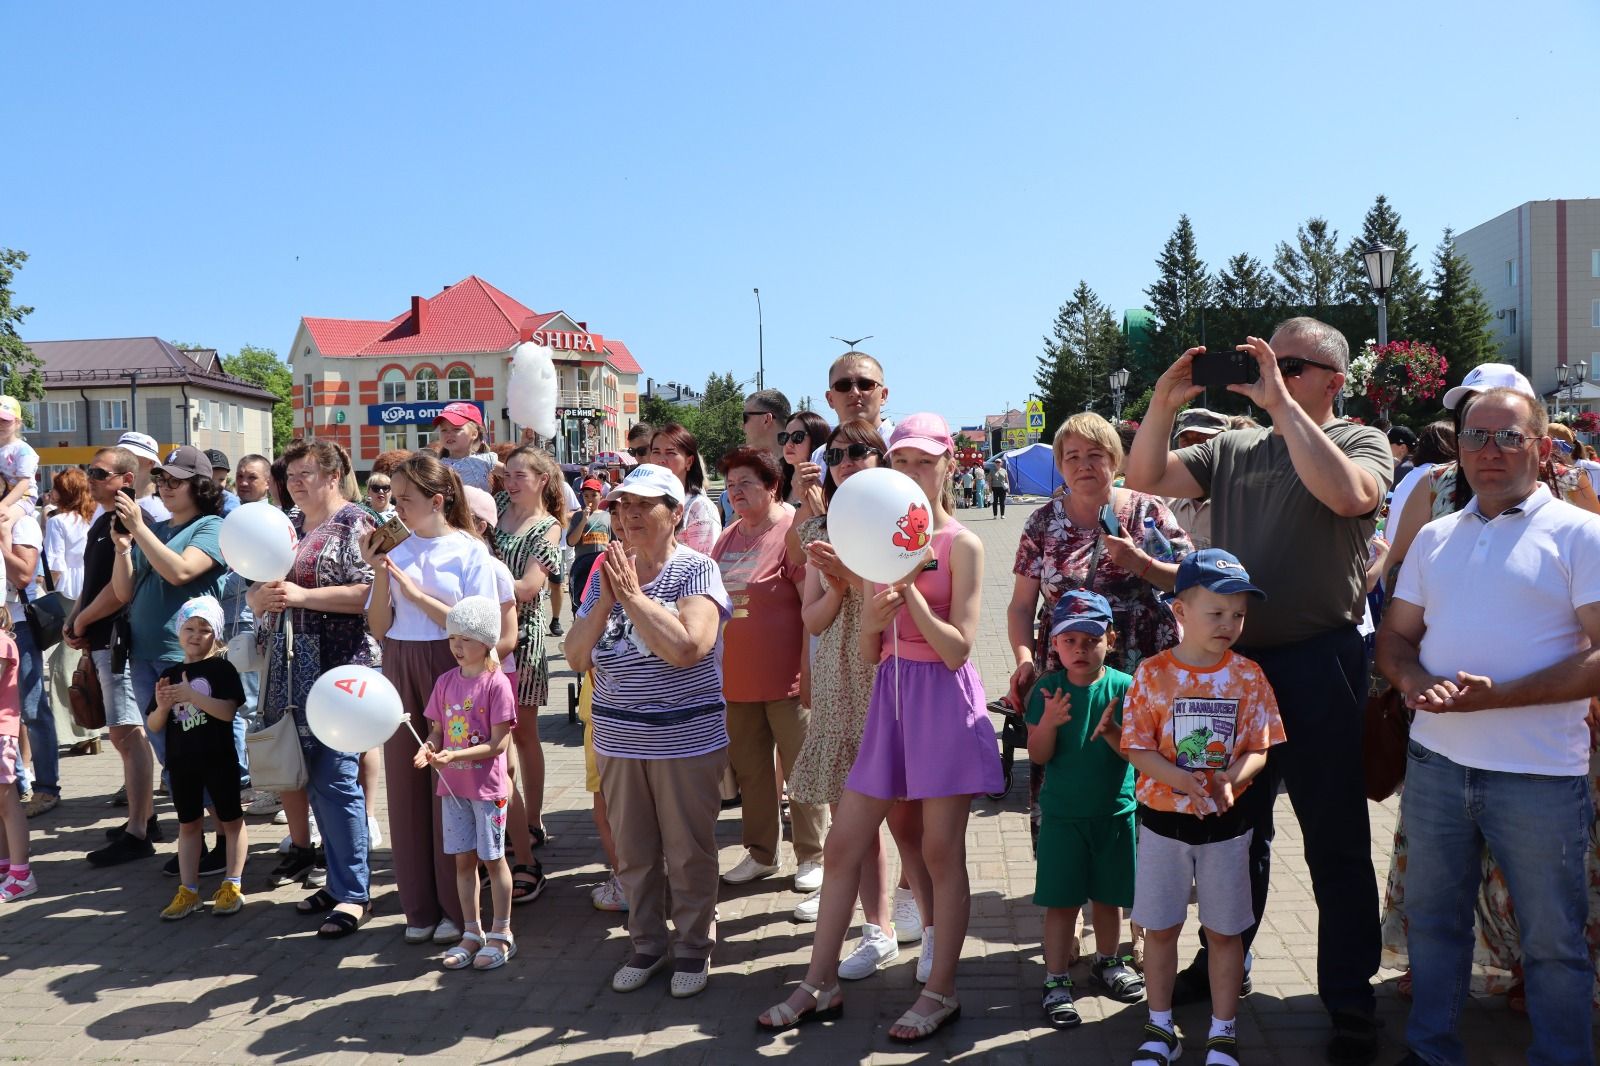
(1225, 366)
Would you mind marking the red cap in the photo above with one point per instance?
(593, 485)
(459, 414)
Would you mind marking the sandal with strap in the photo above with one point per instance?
(319, 902)
(340, 924)
(828, 1006)
(490, 957)
(527, 883)
(925, 1025)
(1153, 1031)
(459, 957)
(1225, 1045)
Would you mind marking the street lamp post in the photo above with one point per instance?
(1119, 384)
(1569, 379)
(761, 346)
(1380, 275)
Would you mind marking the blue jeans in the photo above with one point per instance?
(143, 674)
(341, 810)
(36, 712)
(1538, 829)
(243, 721)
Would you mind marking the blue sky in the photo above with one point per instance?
(938, 175)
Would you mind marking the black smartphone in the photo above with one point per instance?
(116, 523)
(1225, 367)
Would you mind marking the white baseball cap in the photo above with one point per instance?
(1486, 376)
(141, 444)
(647, 479)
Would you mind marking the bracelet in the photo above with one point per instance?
(128, 552)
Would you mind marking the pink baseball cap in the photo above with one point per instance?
(459, 414)
(924, 432)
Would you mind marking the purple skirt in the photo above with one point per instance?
(942, 744)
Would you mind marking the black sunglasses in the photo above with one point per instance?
(795, 436)
(96, 473)
(859, 384)
(639, 452)
(378, 488)
(1292, 366)
(855, 452)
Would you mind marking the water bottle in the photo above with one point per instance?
(1156, 544)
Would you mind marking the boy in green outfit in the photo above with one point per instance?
(1087, 840)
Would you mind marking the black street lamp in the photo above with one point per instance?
(761, 346)
(1380, 275)
(1119, 385)
(1571, 378)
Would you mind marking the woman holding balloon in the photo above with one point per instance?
(928, 736)
(441, 561)
(322, 595)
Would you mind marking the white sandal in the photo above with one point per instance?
(631, 978)
(829, 1005)
(459, 957)
(489, 957)
(926, 1025)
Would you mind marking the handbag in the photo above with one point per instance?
(1384, 738)
(276, 762)
(84, 695)
(47, 614)
(243, 651)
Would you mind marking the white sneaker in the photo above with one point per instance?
(446, 932)
(876, 950)
(608, 896)
(907, 919)
(374, 834)
(925, 959)
(281, 818)
(806, 910)
(748, 870)
(808, 877)
(264, 803)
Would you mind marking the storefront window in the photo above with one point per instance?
(459, 384)
(427, 385)
(425, 437)
(394, 386)
(395, 438)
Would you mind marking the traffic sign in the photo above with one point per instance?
(1035, 415)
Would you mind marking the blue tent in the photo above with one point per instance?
(1032, 469)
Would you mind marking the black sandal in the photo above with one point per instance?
(1153, 1031)
(530, 880)
(343, 922)
(318, 903)
(539, 836)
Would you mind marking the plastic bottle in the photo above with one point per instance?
(1156, 544)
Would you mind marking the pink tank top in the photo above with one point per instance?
(935, 588)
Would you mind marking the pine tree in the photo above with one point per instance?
(1457, 320)
(1085, 344)
(1180, 295)
(1248, 301)
(19, 367)
(1407, 293)
(1309, 270)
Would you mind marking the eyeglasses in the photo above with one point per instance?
(96, 473)
(644, 450)
(1292, 366)
(797, 436)
(859, 384)
(162, 480)
(855, 453)
(748, 415)
(1507, 440)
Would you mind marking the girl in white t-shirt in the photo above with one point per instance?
(414, 585)
(18, 461)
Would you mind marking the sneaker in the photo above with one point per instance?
(806, 910)
(264, 803)
(555, 627)
(281, 818)
(14, 888)
(183, 904)
(152, 831)
(317, 876)
(808, 877)
(118, 798)
(374, 834)
(295, 864)
(608, 896)
(123, 849)
(748, 870)
(907, 920)
(1121, 983)
(446, 932)
(214, 860)
(875, 950)
(1057, 1002)
(228, 900)
(925, 959)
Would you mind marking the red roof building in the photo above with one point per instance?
(377, 384)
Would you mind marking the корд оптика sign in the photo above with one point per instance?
(411, 414)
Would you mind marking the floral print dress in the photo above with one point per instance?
(533, 665)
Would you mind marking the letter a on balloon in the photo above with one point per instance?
(352, 686)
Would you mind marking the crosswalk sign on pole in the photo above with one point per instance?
(1035, 416)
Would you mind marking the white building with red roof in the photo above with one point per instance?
(376, 385)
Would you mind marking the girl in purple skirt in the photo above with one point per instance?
(928, 738)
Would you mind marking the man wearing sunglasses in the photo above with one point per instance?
(1297, 503)
(856, 390)
(765, 413)
(1497, 613)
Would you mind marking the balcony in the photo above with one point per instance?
(579, 398)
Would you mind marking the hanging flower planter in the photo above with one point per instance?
(1399, 370)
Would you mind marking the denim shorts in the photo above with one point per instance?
(117, 691)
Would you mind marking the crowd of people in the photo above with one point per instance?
(1194, 621)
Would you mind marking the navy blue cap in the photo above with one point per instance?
(1081, 611)
(1217, 571)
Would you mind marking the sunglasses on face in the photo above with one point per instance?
(640, 452)
(96, 473)
(748, 415)
(796, 436)
(1292, 366)
(858, 384)
(378, 488)
(1507, 440)
(855, 453)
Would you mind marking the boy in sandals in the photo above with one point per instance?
(1086, 834)
(1197, 725)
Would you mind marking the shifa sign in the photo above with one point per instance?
(567, 340)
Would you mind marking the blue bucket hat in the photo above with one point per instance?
(1081, 611)
(1216, 570)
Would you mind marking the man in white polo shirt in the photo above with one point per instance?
(1493, 637)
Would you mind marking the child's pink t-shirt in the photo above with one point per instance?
(10, 697)
(467, 709)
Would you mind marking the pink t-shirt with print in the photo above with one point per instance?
(467, 709)
(10, 697)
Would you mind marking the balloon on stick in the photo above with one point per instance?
(258, 542)
(880, 524)
(353, 708)
(531, 392)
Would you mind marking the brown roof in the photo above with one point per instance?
(90, 362)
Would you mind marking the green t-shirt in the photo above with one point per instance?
(155, 603)
(1085, 778)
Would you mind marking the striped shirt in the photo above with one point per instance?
(645, 708)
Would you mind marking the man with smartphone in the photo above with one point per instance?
(1297, 503)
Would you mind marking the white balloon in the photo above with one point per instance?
(879, 523)
(353, 708)
(258, 542)
(531, 392)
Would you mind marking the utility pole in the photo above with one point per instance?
(761, 352)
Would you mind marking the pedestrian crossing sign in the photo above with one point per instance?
(1035, 416)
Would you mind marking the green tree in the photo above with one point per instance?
(658, 411)
(1248, 301)
(262, 367)
(1309, 269)
(1084, 345)
(719, 421)
(1456, 321)
(19, 367)
(1407, 293)
(1180, 295)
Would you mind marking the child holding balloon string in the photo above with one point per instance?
(471, 714)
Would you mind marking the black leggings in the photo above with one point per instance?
(999, 502)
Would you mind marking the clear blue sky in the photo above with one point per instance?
(938, 175)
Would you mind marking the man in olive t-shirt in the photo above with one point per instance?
(1297, 504)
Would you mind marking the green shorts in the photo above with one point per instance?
(1083, 859)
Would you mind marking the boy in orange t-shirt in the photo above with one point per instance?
(1197, 724)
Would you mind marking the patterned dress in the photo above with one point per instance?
(1056, 553)
(841, 690)
(533, 665)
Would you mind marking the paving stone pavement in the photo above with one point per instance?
(88, 971)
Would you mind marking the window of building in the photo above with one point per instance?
(1594, 263)
(425, 437)
(396, 438)
(114, 414)
(1594, 313)
(31, 414)
(427, 384)
(1511, 320)
(1511, 272)
(459, 384)
(394, 386)
(61, 416)
(238, 419)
